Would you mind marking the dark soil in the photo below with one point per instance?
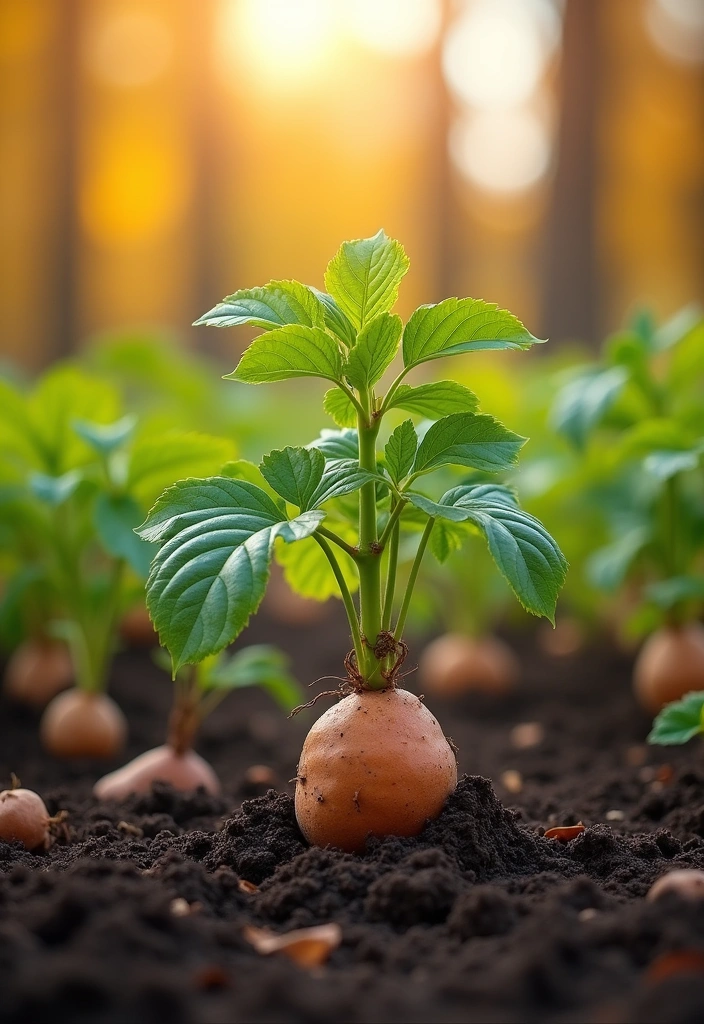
(478, 919)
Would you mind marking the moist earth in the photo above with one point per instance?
(137, 912)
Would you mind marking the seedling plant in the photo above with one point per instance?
(216, 535)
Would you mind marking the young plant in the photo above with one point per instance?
(198, 691)
(642, 405)
(378, 761)
(78, 478)
(679, 722)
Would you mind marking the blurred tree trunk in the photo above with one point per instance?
(572, 293)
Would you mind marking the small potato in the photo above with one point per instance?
(454, 664)
(376, 763)
(24, 819)
(685, 882)
(82, 724)
(669, 665)
(37, 671)
(186, 772)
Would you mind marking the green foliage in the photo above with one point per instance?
(216, 535)
(679, 722)
(258, 665)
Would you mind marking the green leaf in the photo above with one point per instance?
(106, 438)
(257, 665)
(665, 464)
(583, 401)
(294, 473)
(445, 539)
(290, 351)
(400, 451)
(441, 398)
(54, 490)
(115, 518)
(374, 351)
(211, 571)
(363, 277)
(341, 476)
(307, 570)
(157, 460)
(335, 319)
(653, 434)
(606, 568)
(668, 593)
(276, 304)
(680, 721)
(468, 439)
(525, 553)
(337, 444)
(242, 469)
(338, 405)
(455, 326)
(679, 327)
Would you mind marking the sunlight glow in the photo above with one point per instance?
(128, 48)
(283, 41)
(677, 29)
(501, 151)
(397, 27)
(496, 50)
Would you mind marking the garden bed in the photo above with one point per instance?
(478, 919)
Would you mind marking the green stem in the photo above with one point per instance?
(346, 597)
(369, 561)
(392, 391)
(99, 630)
(350, 394)
(347, 548)
(670, 503)
(391, 575)
(398, 632)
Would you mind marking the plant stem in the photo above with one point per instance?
(396, 510)
(670, 502)
(391, 575)
(347, 548)
(369, 561)
(400, 624)
(346, 597)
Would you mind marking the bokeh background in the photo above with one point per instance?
(158, 154)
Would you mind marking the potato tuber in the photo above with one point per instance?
(377, 763)
(83, 724)
(454, 664)
(24, 818)
(36, 671)
(185, 772)
(669, 665)
(686, 882)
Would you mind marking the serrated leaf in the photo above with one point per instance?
(441, 398)
(525, 553)
(294, 473)
(374, 351)
(680, 721)
(364, 275)
(337, 444)
(468, 439)
(54, 490)
(307, 570)
(400, 451)
(582, 402)
(341, 476)
(258, 665)
(276, 304)
(115, 518)
(106, 438)
(455, 326)
(157, 460)
(663, 465)
(445, 539)
(335, 319)
(288, 352)
(211, 571)
(338, 405)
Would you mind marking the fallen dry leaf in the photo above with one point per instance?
(680, 961)
(563, 833)
(307, 947)
(249, 887)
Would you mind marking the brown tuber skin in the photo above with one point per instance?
(688, 883)
(36, 671)
(24, 819)
(136, 628)
(377, 763)
(82, 724)
(669, 665)
(455, 664)
(174, 762)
